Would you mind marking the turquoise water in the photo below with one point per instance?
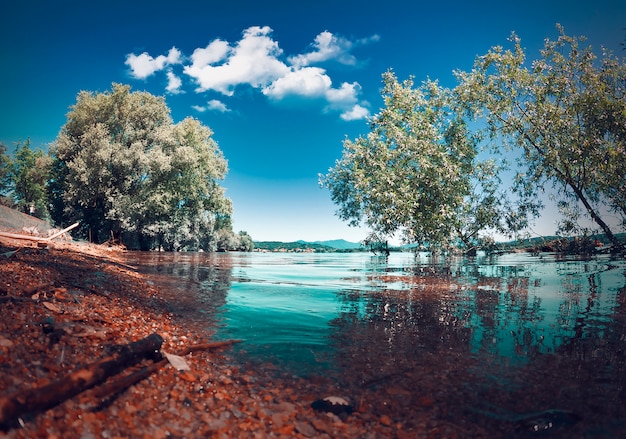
(517, 332)
(291, 308)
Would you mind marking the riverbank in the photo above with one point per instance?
(65, 307)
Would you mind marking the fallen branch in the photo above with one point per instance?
(31, 401)
(114, 387)
(67, 229)
(38, 239)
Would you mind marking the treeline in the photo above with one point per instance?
(449, 168)
(129, 174)
(295, 246)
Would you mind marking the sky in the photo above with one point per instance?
(281, 84)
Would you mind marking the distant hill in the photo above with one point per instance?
(339, 244)
(290, 246)
(299, 246)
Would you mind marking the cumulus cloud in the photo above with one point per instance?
(355, 113)
(309, 82)
(212, 105)
(328, 46)
(174, 83)
(257, 61)
(211, 54)
(144, 65)
(253, 61)
(345, 99)
(216, 105)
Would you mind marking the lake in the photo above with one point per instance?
(502, 340)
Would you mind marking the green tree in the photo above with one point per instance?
(30, 173)
(179, 203)
(246, 244)
(5, 171)
(566, 114)
(417, 172)
(122, 165)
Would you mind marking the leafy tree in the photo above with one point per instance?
(179, 202)
(122, 165)
(566, 113)
(5, 171)
(417, 172)
(246, 244)
(30, 172)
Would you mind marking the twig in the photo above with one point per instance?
(17, 404)
(117, 386)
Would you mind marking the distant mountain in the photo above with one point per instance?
(339, 244)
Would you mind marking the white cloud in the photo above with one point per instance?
(257, 61)
(346, 100)
(253, 61)
(174, 84)
(308, 81)
(328, 46)
(211, 54)
(355, 113)
(145, 65)
(347, 94)
(216, 105)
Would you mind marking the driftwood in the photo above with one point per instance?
(114, 387)
(31, 401)
(40, 240)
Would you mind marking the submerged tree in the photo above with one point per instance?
(417, 172)
(122, 165)
(567, 114)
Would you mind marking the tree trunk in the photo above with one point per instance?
(596, 218)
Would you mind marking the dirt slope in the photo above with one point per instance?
(12, 220)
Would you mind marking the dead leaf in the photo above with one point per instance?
(179, 363)
(52, 307)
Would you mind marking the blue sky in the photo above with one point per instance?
(281, 84)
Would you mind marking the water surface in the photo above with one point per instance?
(487, 338)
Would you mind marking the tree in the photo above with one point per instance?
(122, 166)
(30, 172)
(567, 115)
(246, 244)
(417, 172)
(5, 171)
(179, 203)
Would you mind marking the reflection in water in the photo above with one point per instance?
(509, 343)
(195, 284)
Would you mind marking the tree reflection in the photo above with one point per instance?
(506, 339)
(194, 284)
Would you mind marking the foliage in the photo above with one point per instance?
(417, 172)
(295, 246)
(122, 166)
(246, 244)
(566, 113)
(5, 171)
(29, 174)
